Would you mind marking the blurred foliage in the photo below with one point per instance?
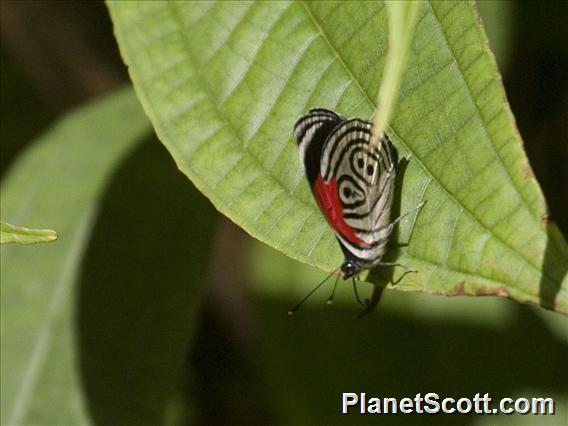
(400, 354)
(59, 179)
(150, 351)
(18, 100)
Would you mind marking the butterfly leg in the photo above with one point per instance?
(398, 245)
(391, 225)
(398, 219)
(397, 264)
(357, 293)
(402, 276)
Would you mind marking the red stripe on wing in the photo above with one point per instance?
(327, 197)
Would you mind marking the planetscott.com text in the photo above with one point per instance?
(432, 403)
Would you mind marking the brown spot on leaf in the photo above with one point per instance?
(499, 291)
(502, 292)
(458, 290)
(528, 171)
(544, 219)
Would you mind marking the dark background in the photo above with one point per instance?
(246, 364)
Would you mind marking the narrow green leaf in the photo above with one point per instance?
(19, 234)
(224, 82)
(59, 181)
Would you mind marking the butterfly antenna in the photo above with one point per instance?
(307, 296)
(357, 294)
(330, 300)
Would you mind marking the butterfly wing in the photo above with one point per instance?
(311, 132)
(365, 178)
(352, 183)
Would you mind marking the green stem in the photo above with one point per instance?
(402, 18)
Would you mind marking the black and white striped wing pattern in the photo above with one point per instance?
(365, 179)
(311, 132)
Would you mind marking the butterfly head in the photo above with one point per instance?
(350, 268)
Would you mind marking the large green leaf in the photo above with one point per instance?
(58, 181)
(223, 83)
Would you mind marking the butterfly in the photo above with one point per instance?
(353, 184)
